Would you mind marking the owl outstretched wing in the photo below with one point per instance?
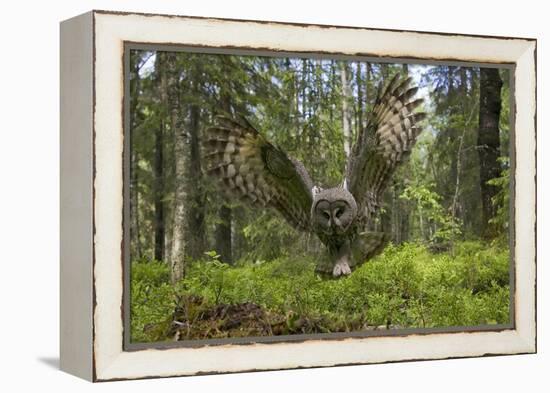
(252, 169)
(386, 141)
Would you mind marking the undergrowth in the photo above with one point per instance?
(406, 286)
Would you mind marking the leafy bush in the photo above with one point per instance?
(447, 227)
(501, 200)
(152, 273)
(405, 286)
(152, 300)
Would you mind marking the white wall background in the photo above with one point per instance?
(29, 207)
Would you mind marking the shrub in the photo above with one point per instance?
(152, 300)
(405, 286)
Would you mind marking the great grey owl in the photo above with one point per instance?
(251, 168)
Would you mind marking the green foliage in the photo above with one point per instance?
(153, 273)
(501, 200)
(405, 286)
(151, 297)
(446, 227)
(297, 103)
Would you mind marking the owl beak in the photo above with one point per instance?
(336, 220)
(332, 226)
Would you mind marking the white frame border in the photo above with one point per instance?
(111, 30)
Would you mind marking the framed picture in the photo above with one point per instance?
(245, 195)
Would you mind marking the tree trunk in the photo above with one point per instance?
(488, 140)
(403, 211)
(303, 89)
(405, 222)
(454, 138)
(319, 91)
(395, 216)
(469, 193)
(135, 229)
(385, 72)
(177, 257)
(177, 245)
(135, 234)
(158, 191)
(158, 165)
(196, 214)
(455, 203)
(346, 109)
(359, 82)
(368, 72)
(332, 84)
(386, 221)
(222, 232)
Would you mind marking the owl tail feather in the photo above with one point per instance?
(366, 246)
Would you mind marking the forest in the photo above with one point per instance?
(204, 265)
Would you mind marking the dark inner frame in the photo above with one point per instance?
(296, 338)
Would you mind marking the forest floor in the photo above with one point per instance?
(405, 287)
(248, 320)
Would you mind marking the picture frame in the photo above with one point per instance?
(94, 279)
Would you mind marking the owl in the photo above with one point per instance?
(249, 167)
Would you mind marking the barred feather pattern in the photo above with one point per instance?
(253, 170)
(387, 140)
(363, 246)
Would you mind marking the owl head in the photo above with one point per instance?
(333, 211)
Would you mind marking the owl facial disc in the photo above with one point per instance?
(333, 211)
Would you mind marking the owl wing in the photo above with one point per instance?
(252, 169)
(386, 141)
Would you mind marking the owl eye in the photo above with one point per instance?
(339, 213)
(326, 214)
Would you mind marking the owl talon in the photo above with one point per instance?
(341, 269)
